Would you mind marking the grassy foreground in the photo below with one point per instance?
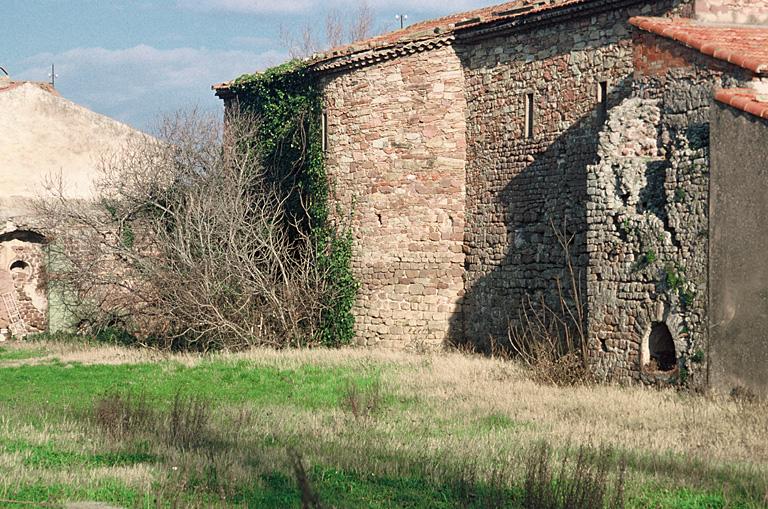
(355, 428)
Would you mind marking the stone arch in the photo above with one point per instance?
(662, 355)
(662, 342)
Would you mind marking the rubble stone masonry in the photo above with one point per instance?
(460, 165)
(647, 219)
(396, 151)
(524, 188)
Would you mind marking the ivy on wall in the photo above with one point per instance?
(288, 103)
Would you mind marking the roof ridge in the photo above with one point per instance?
(442, 26)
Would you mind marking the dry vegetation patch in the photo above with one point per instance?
(370, 426)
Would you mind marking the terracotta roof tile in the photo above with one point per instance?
(445, 26)
(745, 46)
(744, 99)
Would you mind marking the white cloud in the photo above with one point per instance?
(301, 6)
(135, 84)
(251, 6)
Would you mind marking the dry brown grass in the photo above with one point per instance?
(443, 411)
(634, 417)
(457, 385)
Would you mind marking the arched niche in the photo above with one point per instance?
(658, 349)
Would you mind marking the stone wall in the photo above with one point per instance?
(396, 159)
(23, 281)
(431, 154)
(738, 272)
(648, 223)
(733, 11)
(520, 189)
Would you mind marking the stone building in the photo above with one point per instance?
(42, 137)
(538, 153)
(649, 228)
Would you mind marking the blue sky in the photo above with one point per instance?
(134, 60)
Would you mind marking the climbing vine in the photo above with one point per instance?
(288, 105)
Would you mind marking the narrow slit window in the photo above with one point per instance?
(324, 127)
(602, 100)
(529, 115)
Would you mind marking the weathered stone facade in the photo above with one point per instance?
(647, 218)
(536, 152)
(522, 189)
(23, 282)
(423, 117)
(396, 158)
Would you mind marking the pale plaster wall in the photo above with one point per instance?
(43, 134)
(738, 273)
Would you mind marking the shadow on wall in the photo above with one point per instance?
(542, 193)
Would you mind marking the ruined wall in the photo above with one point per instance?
(648, 223)
(733, 11)
(23, 279)
(396, 160)
(520, 188)
(738, 246)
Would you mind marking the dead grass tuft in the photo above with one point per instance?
(583, 483)
(362, 402)
(188, 423)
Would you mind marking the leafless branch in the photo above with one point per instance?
(188, 239)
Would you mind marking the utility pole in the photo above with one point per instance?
(53, 76)
(402, 18)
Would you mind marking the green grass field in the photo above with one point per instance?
(352, 428)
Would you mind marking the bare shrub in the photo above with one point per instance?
(362, 402)
(586, 482)
(552, 340)
(188, 242)
(340, 28)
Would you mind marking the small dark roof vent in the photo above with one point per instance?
(467, 21)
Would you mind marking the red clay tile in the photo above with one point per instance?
(440, 27)
(744, 99)
(744, 46)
